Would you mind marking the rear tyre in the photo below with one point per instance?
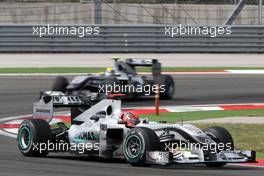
(60, 84)
(169, 87)
(220, 135)
(137, 142)
(31, 134)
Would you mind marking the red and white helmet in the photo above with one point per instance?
(130, 118)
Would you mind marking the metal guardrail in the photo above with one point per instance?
(244, 39)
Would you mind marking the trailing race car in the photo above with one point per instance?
(108, 132)
(121, 79)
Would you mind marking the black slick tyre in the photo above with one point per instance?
(169, 88)
(220, 135)
(137, 142)
(31, 134)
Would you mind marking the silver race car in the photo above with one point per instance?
(107, 131)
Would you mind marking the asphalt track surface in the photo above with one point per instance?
(18, 92)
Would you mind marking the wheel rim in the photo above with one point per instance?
(25, 138)
(133, 146)
(171, 89)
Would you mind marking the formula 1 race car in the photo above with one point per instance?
(107, 131)
(121, 79)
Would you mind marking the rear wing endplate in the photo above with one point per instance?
(44, 108)
(154, 63)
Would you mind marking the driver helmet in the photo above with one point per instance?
(109, 71)
(130, 118)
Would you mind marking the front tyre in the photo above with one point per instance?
(33, 136)
(137, 142)
(223, 136)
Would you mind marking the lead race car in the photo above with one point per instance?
(122, 78)
(108, 132)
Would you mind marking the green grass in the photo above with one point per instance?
(29, 70)
(187, 116)
(260, 155)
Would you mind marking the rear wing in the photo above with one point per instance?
(44, 108)
(141, 62)
(154, 63)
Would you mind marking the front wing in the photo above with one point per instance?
(166, 157)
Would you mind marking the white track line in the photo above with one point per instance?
(14, 117)
(246, 71)
(4, 133)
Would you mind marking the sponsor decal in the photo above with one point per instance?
(43, 110)
(86, 136)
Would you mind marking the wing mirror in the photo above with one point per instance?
(95, 118)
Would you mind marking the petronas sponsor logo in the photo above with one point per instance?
(86, 136)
